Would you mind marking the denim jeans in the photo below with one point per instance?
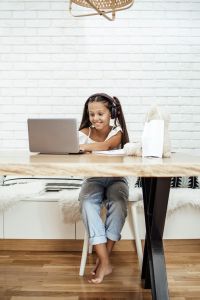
(112, 192)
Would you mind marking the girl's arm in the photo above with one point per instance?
(109, 144)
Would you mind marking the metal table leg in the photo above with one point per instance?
(155, 195)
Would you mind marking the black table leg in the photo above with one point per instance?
(145, 267)
(155, 195)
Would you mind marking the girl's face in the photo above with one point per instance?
(99, 115)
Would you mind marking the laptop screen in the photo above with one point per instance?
(53, 136)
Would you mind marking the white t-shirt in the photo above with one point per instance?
(85, 139)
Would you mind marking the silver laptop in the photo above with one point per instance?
(53, 136)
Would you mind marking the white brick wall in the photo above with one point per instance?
(51, 62)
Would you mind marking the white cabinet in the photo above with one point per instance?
(43, 220)
(127, 232)
(184, 223)
(36, 220)
(1, 225)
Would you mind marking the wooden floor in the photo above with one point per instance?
(33, 275)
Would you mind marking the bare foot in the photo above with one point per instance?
(93, 272)
(102, 270)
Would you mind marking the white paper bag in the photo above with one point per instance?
(153, 138)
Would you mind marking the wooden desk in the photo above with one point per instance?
(23, 163)
(156, 174)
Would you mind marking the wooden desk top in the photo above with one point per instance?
(25, 163)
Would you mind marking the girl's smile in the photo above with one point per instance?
(99, 115)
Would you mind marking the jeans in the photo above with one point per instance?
(112, 192)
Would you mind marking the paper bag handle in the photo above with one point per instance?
(158, 111)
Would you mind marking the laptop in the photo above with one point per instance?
(53, 136)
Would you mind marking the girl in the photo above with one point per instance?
(96, 133)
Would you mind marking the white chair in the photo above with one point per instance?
(133, 222)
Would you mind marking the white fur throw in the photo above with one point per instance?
(10, 195)
(178, 198)
(63, 190)
(134, 149)
(68, 198)
(1, 180)
(69, 205)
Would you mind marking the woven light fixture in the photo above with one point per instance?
(101, 7)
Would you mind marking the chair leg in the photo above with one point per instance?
(84, 255)
(90, 249)
(135, 229)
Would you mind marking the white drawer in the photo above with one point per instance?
(36, 220)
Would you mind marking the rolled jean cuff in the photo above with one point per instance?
(98, 240)
(113, 237)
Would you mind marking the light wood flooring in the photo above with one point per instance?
(49, 275)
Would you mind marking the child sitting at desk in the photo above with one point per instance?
(96, 133)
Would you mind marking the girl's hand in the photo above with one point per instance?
(83, 148)
(109, 144)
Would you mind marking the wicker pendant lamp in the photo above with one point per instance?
(101, 7)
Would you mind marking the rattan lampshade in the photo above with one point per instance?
(102, 7)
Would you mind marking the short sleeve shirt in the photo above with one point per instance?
(85, 139)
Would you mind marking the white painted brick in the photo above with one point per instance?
(8, 126)
(41, 57)
(14, 109)
(19, 118)
(5, 14)
(37, 5)
(186, 135)
(11, 23)
(25, 100)
(7, 135)
(37, 23)
(38, 92)
(5, 49)
(4, 92)
(195, 118)
(184, 143)
(23, 31)
(37, 40)
(185, 126)
(35, 109)
(17, 144)
(10, 74)
(50, 63)
(24, 14)
(52, 14)
(11, 5)
(63, 92)
(12, 40)
(12, 57)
